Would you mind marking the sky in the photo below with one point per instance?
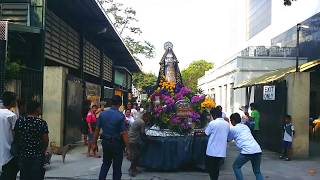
(212, 30)
(195, 27)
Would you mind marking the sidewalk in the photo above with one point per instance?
(78, 166)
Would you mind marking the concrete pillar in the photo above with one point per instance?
(54, 87)
(298, 107)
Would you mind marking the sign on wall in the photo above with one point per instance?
(269, 93)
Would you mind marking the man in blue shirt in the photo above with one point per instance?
(112, 122)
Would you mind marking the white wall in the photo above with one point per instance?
(236, 71)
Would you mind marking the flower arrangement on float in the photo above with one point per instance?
(177, 108)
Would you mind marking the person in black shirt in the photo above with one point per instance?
(31, 136)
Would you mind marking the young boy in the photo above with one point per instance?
(287, 138)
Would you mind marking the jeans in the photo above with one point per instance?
(9, 170)
(112, 153)
(244, 158)
(32, 169)
(213, 166)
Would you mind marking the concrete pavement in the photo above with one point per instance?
(78, 166)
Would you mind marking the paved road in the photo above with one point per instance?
(79, 167)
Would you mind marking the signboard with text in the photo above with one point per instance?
(269, 93)
(183, 108)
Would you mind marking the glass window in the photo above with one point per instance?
(119, 78)
(259, 16)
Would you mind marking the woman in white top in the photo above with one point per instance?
(249, 148)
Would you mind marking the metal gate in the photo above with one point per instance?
(271, 116)
(73, 107)
(31, 84)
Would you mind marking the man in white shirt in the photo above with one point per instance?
(217, 130)
(249, 148)
(8, 165)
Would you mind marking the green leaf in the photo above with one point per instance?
(193, 72)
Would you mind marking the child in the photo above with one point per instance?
(287, 138)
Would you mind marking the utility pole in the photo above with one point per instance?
(298, 47)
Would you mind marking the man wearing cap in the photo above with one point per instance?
(112, 122)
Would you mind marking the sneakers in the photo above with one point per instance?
(285, 158)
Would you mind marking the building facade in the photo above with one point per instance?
(309, 38)
(62, 53)
(218, 83)
(256, 22)
(282, 18)
(258, 16)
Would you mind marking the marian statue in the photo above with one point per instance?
(169, 65)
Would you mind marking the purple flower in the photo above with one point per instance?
(179, 96)
(158, 110)
(178, 88)
(185, 126)
(168, 100)
(196, 99)
(194, 116)
(184, 91)
(175, 120)
(153, 96)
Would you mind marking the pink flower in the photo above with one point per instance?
(196, 99)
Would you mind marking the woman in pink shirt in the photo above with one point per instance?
(91, 121)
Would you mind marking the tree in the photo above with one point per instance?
(124, 19)
(144, 80)
(193, 72)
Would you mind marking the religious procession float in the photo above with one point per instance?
(177, 117)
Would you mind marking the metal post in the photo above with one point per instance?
(297, 47)
(3, 53)
(2, 65)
